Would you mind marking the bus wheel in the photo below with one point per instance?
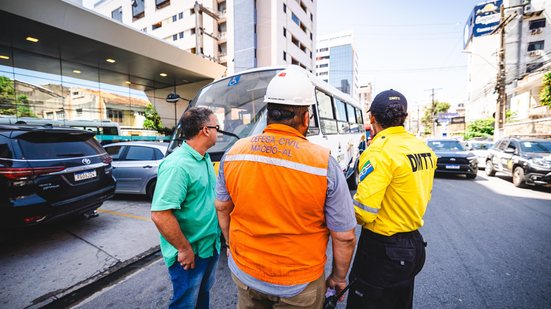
(353, 180)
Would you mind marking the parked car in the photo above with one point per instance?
(480, 149)
(135, 165)
(528, 161)
(47, 173)
(453, 158)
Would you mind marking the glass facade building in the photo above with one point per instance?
(341, 68)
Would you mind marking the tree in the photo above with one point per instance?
(480, 128)
(545, 94)
(10, 104)
(153, 120)
(429, 118)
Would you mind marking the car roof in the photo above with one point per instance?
(16, 129)
(159, 145)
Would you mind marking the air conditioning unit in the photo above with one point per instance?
(535, 31)
(528, 9)
(534, 53)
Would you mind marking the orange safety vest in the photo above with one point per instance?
(278, 183)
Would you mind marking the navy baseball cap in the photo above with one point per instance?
(384, 99)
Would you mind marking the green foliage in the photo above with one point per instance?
(545, 94)
(480, 128)
(9, 103)
(153, 121)
(429, 117)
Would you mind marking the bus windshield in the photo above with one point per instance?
(238, 103)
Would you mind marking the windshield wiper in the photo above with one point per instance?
(70, 155)
(229, 133)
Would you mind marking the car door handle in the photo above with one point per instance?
(147, 166)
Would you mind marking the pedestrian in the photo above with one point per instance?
(278, 199)
(396, 177)
(183, 211)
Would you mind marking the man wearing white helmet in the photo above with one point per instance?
(278, 199)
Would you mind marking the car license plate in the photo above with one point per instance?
(452, 166)
(85, 175)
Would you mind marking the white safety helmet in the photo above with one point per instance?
(290, 87)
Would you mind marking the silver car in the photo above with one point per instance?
(480, 149)
(135, 165)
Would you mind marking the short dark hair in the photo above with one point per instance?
(285, 114)
(194, 119)
(393, 115)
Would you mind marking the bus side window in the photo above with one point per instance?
(328, 123)
(313, 127)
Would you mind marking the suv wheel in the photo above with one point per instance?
(151, 188)
(489, 169)
(518, 177)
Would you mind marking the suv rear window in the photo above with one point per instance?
(48, 145)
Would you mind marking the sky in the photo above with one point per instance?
(409, 46)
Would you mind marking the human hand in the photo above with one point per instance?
(186, 258)
(337, 284)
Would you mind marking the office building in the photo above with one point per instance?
(237, 34)
(337, 62)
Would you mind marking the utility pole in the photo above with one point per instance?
(501, 80)
(433, 109)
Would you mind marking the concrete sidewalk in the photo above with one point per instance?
(41, 265)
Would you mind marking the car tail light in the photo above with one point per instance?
(107, 159)
(14, 173)
(33, 219)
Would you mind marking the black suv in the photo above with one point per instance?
(50, 172)
(527, 160)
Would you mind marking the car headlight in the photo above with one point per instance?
(540, 162)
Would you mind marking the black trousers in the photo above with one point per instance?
(384, 270)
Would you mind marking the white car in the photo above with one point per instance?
(135, 165)
(480, 149)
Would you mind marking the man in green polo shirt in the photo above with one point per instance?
(183, 211)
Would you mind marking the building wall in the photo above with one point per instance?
(249, 33)
(523, 56)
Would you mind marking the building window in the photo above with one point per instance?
(295, 19)
(324, 65)
(538, 45)
(180, 15)
(284, 56)
(174, 37)
(311, 17)
(79, 112)
(284, 8)
(174, 18)
(303, 6)
(117, 14)
(114, 115)
(310, 55)
(284, 32)
(324, 49)
(157, 25)
(162, 3)
(536, 24)
(138, 8)
(192, 31)
(191, 11)
(311, 36)
(181, 35)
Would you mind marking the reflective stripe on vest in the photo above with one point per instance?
(279, 162)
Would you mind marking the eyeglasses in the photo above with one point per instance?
(217, 127)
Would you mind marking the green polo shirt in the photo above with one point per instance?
(186, 183)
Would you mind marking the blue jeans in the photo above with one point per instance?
(191, 287)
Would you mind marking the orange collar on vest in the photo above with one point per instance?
(283, 129)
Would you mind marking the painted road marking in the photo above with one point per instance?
(116, 213)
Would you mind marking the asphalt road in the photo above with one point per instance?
(488, 247)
